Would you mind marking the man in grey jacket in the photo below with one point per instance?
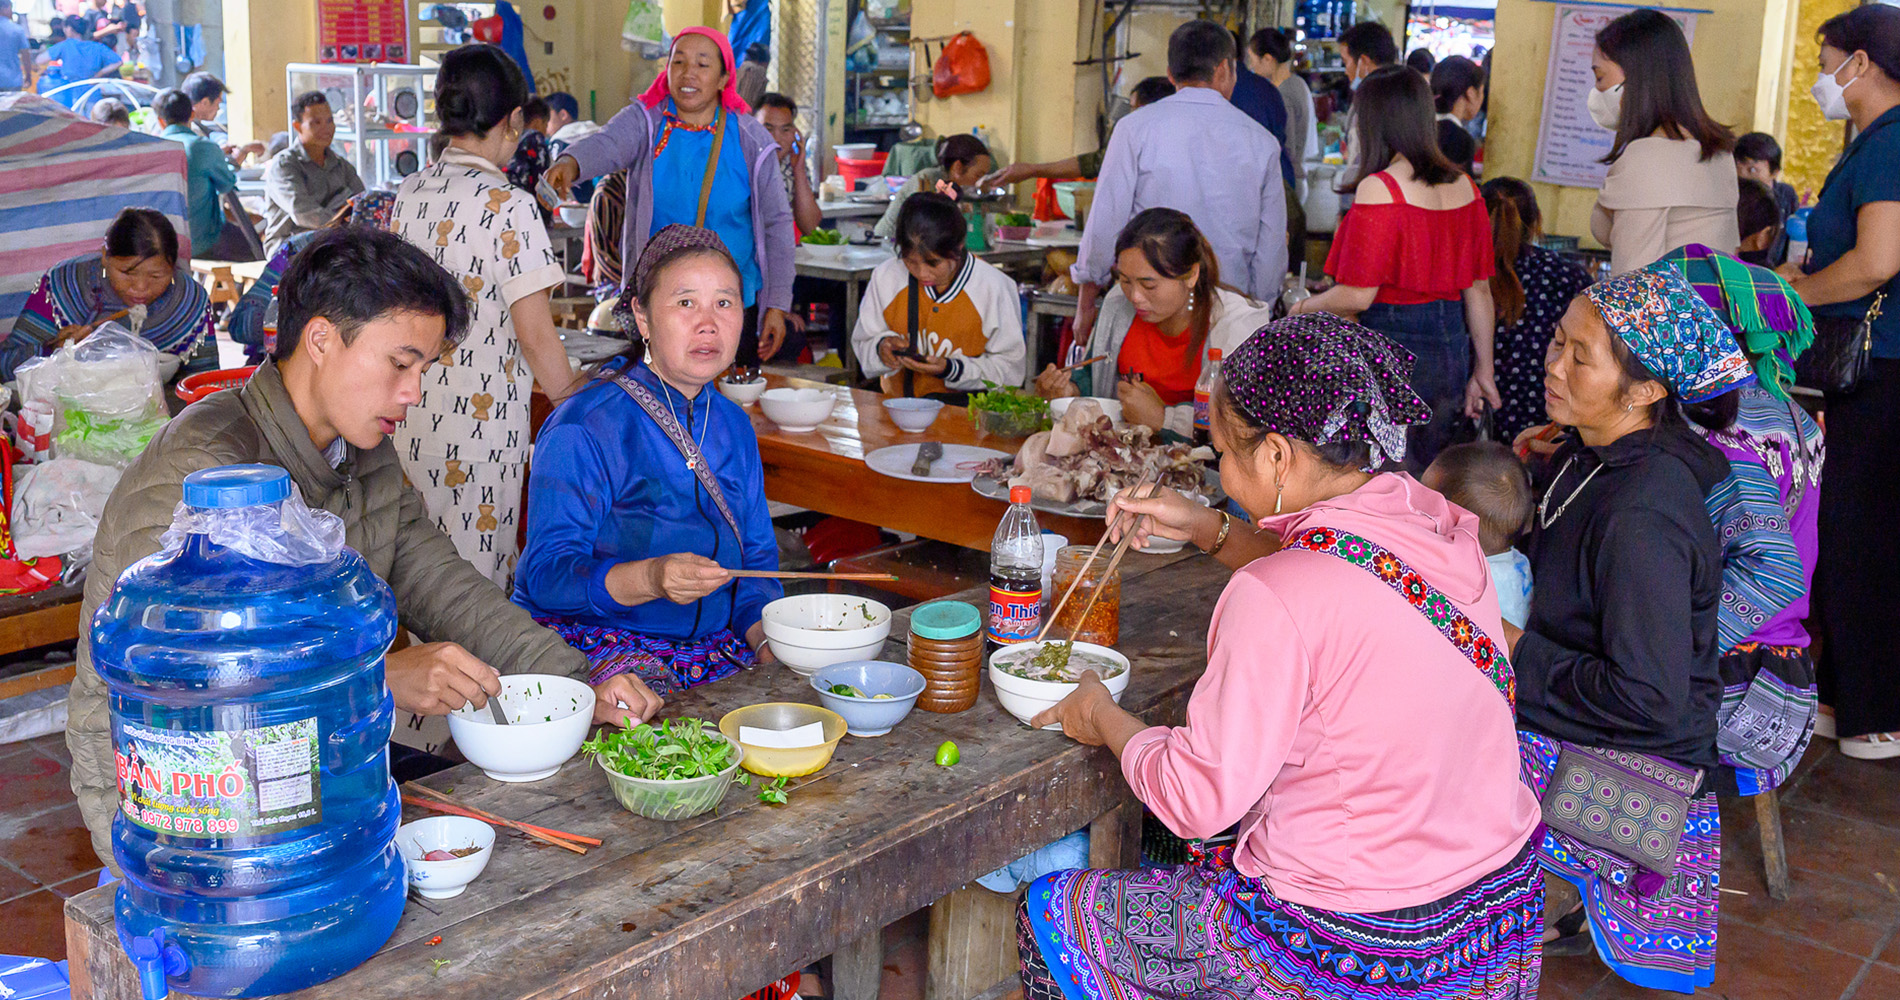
(364, 313)
(307, 184)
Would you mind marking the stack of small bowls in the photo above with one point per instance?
(946, 646)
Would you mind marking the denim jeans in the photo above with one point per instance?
(1435, 334)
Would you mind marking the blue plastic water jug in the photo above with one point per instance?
(257, 818)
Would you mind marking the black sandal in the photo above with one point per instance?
(1572, 939)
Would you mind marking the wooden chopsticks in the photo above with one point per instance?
(1083, 363)
(442, 803)
(763, 574)
(1147, 486)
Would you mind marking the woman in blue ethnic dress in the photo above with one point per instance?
(1617, 668)
(648, 488)
(1354, 719)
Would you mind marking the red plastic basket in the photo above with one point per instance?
(196, 387)
(854, 171)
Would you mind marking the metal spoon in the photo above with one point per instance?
(494, 710)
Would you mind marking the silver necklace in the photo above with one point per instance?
(692, 464)
(1547, 521)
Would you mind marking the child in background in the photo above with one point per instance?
(1759, 222)
(1758, 157)
(1485, 478)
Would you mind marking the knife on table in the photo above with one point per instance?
(927, 454)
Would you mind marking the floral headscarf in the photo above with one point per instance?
(1323, 379)
(1657, 313)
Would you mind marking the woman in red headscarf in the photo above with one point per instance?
(695, 156)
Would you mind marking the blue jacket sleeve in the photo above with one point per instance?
(569, 497)
(761, 544)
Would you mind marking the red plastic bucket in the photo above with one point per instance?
(854, 171)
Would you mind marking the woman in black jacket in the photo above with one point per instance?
(1620, 651)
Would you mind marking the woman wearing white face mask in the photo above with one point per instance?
(1672, 177)
(1854, 253)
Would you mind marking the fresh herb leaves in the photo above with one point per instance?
(671, 751)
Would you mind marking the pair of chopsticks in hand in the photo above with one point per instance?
(439, 802)
(1144, 489)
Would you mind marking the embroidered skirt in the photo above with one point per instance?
(666, 666)
(1203, 931)
(1767, 715)
(1651, 931)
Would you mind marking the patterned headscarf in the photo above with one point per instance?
(1656, 312)
(657, 94)
(674, 237)
(1763, 312)
(1322, 379)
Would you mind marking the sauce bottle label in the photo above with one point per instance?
(220, 784)
(1015, 614)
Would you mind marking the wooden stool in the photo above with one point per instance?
(1774, 849)
(218, 280)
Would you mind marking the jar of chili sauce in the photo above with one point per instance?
(1103, 625)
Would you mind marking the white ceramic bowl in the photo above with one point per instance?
(855, 150)
(1025, 699)
(1112, 407)
(574, 214)
(743, 393)
(811, 631)
(797, 411)
(826, 251)
(548, 718)
(913, 415)
(443, 879)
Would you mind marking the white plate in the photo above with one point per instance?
(995, 490)
(895, 461)
(1158, 546)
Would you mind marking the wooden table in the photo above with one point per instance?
(824, 471)
(850, 209)
(715, 907)
(39, 619)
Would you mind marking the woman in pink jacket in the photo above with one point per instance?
(1355, 720)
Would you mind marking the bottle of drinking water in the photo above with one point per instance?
(1016, 574)
(1798, 236)
(270, 323)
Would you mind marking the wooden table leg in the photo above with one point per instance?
(857, 969)
(1115, 836)
(972, 944)
(1774, 850)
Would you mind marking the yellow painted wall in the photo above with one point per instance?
(1741, 51)
(260, 37)
(1037, 106)
(1810, 143)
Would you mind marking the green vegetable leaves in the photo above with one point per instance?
(824, 238)
(774, 793)
(1008, 399)
(674, 750)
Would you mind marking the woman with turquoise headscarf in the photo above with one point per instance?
(1765, 514)
(695, 156)
(1617, 666)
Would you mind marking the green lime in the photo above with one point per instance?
(947, 755)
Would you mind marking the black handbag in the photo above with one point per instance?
(1842, 349)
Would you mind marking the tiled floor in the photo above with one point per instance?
(1837, 937)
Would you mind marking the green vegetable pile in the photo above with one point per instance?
(825, 238)
(1016, 411)
(1015, 219)
(675, 750)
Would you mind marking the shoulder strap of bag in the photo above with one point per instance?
(1453, 624)
(702, 470)
(712, 166)
(910, 377)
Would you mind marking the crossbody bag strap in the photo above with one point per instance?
(702, 470)
(1385, 566)
(712, 166)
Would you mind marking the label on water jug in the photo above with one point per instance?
(220, 784)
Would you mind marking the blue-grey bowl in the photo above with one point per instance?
(870, 716)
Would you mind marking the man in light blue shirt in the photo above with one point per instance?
(13, 49)
(208, 175)
(1196, 153)
(76, 59)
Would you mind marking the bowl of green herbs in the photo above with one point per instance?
(668, 770)
(1007, 411)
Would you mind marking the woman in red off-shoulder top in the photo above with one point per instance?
(1413, 259)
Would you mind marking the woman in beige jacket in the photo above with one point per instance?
(1672, 175)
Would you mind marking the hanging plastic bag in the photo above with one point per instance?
(110, 398)
(288, 533)
(963, 68)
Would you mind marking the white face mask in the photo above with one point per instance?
(1831, 95)
(1606, 106)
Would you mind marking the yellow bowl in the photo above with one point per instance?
(784, 715)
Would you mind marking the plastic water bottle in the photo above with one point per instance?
(270, 324)
(257, 819)
(1295, 290)
(1016, 573)
(1798, 236)
(1204, 396)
